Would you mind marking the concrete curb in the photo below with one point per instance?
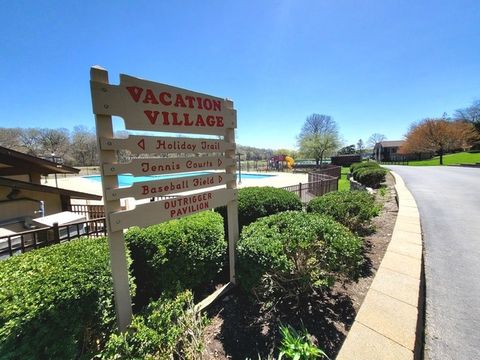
(389, 324)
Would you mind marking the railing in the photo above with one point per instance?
(90, 211)
(330, 170)
(308, 191)
(37, 238)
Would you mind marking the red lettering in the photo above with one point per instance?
(219, 121)
(165, 118)
(152, 116)
(144, 189)
(150, 97)
(179, 101)
(135, 92)
(172, 213)
(207, 104)
(217, 105)
(175, 120)
(199, 102)
(200, 121)
(191, 101)
(210, 120)
(165, 98)
(187, 120)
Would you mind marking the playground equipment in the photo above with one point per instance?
(279, 162)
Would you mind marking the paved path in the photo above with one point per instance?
(448, 199)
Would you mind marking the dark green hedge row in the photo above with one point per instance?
(176, 255)
(257, 202)
(368, 173)
(56, 302)
(292, 253)
(354, 209)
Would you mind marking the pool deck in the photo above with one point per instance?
(78, 183)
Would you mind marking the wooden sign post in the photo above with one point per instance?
(150, 106)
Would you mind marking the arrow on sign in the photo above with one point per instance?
(141, 143)
(219, 162)
(219, 179)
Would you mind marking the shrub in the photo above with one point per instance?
(354, 209)
(56, 302)
(179, 254)
(372, 177)
(360, 165)
(166, 328)
(257, 202)
(294, 253)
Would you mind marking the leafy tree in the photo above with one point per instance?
(375, 138)
(438, 135)
(470, 114)
(319, 137)
(360, 146)
(350, 149)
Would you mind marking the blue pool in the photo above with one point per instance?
(127, 180)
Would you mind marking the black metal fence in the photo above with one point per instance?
(33, 239)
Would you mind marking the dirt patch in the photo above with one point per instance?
(240, 329)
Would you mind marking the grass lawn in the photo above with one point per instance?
(458, 158)
(343, 183)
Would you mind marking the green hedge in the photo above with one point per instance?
(166, 328)
(365, 164)
(56, 302)
(292, 253)
(257, 202)
(354, 209)
(179, 254)
(372, 177)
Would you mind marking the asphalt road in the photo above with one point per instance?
(448, 199)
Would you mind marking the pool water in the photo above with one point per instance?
(127, 180)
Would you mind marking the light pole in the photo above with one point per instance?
(53, 160)
(239, 168)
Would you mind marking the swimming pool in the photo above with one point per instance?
(127, 180)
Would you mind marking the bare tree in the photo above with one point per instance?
(30, 141)
(10, 138)
(319, 137)
(84, 146)
(55, 141)
(375, 138)
(470, 114)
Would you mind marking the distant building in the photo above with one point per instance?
(23, 198)
(388, 150)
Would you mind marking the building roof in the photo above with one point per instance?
(16, 184)
(18, 163)
(392, 143)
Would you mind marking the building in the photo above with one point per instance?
(388, 151)
(23, 197)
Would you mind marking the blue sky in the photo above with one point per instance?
(374, 66)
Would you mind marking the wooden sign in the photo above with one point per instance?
(157, 188)
(155, 166)
(165, 145)
(160, 211)
(147, 105)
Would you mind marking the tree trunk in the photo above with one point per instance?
(441, 156)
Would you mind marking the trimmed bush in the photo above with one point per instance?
(372, 177)
(56, 302)
(354, 209)
(365, 164)
(179, 254)
(294, 253)
(165, 329)
(257, 202)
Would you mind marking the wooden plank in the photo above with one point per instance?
(156, 166)
(147, 189)
(151, 106)
(166, 145)
(116, 241)
(165, 210)
(217, 294)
